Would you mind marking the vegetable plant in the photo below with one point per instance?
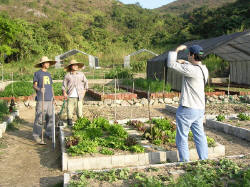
(243, 117)
(220, 117)
(100, 136)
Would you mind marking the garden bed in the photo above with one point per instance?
(202, 173)
(232, 124)
(234, 91)
(119, 96)
(144, 94)
(3, 125)
(152, 154)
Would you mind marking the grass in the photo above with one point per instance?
(148, 85)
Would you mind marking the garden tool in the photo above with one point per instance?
(42, 141)
(60, 121)
(53, 128)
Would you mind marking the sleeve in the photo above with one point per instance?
(185, 69)
(64, 84)
(35, 78)
(85, 81)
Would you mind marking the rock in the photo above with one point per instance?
(144, 101)
(221, 97)
(176, 99)
(156, 102)
(107, 102)
(168, 101)
(138, 104)
(211, 99)
(118, 102)
(100, 103)
(161, 101)
(32, 103)
(131, 102)
(151, 101)
(125, 103)
(225, 100)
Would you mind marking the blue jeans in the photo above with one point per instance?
(187, 118)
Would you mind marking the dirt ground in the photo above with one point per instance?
(24, 163)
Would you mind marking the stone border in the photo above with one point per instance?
(3, 125)
(229, 129)
(116, 161)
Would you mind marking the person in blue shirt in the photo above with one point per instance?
(42, 84)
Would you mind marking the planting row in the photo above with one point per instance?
(202, 173)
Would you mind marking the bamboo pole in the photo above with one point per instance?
(115, 99)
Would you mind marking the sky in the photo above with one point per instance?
(150, 4)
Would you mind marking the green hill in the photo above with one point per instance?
(107, 29)
(186, 6)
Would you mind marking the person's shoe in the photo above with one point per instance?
(70, 122)
(39, 141)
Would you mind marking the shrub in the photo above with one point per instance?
(119, 73)
(145, 84)
(3, 109)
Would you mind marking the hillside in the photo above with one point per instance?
(186, 6)
(106, 28)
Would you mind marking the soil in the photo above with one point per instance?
(238, 123)
(24, 163)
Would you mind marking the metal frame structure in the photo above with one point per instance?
(93, 61)
(127, 58)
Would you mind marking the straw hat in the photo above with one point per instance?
(43, 60)
(73, 62)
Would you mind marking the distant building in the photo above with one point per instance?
(234, 48)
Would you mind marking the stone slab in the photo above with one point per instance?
(229, 129)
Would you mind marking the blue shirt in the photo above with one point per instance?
(39, 77)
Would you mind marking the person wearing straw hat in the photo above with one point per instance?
(42, 84)
(75, 85)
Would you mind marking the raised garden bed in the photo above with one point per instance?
(153, 154)
(9, 119)
(144, 94)
(234, 91)
(109, 93)
(202, 173)
(232, 124)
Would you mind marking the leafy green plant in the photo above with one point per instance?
(19, 89)
(137, 149)
(4, 110)
(119, 73)
(108, 89)
(210, 142)
(98, 134)
(220, 117)
(106, 151)
(118, 130)
(243, 117)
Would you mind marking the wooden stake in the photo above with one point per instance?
(115, 99)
